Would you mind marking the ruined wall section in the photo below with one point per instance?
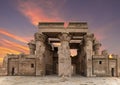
(27, 65)
(100, 66)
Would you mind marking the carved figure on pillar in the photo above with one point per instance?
(40, 50)
(64, 59)
(32, 47)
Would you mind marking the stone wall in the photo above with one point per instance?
(113, 67)
(13, 66)
(27, 67)
(19, 65)
(99, 67)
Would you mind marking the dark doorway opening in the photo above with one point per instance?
(13, 71)
(55, 61)
(75, 65)
(32, 65)
(112, 71)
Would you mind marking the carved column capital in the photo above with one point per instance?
(89, 37)
(40, 37)
(97, 46)
(31, 44)
(32, 47)
(64, 37)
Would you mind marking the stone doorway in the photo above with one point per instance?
(13, 71)
(55, 61)
(75, 66)
(112, 72)
(13, 67)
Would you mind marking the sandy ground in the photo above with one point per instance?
(54, 80)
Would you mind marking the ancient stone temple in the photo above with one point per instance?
(50, 53)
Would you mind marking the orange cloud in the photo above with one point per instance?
(8, 47)
(35, 13)
(15, 46)
(12, 36)
(1, 60)
(4, 51)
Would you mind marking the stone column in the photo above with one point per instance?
(32, 47)
(64, 59)
(106, 55)
(40, 50)
(96, 47)
(88, 41)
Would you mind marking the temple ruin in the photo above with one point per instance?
(50, 53)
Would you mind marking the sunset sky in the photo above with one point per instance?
(19, 19)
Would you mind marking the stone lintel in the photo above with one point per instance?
(63, 30)
(62, 24)
(50, 24)
(77, 23)
(53, 40)
(99, 57)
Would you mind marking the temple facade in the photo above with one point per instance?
(50, 53)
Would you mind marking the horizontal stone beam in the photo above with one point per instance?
(56, 39)
(63, 30)
(51, 24)
(71, 41)
(62, 24)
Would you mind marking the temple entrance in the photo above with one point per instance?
(112, 71)
(112, 68)
(13, 71)
(55, 61)
(75, 67)
(13, 67)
